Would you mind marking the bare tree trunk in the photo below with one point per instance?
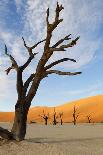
(74, 117)
(74, 121)
(61, 122)
(20, 121)
(54, 121)
(89, 119)
(46, 121)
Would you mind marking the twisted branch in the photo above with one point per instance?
(13, 61)
(32, 47)
(58, 61)
(61, 40)
(62, 47)
(62, 73)
(28, 61)
(27, 83)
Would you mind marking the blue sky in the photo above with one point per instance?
(27, 18)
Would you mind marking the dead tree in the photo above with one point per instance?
(61, 118)
(89, 118)
(27, 90)
(45, 117)
(54, 117)
(75, 115)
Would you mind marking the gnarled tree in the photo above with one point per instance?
(61, 118)
(45, 117)
(54, 117)
(75, 115)
(27, 90)
(89, 118)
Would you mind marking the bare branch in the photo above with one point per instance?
(28, 61)
(61, 40)
(57, 20)
(58, 9)
(11, 57)
(19, 83)
(62, 47)
(28, 48)
(47, 18)
(13, 61)
(9, 69)
(38, 43)
(48, 52)
(51, 27)
(61, 72)
(58, 61)
(57, 49)
(32, 47)
(26, 84)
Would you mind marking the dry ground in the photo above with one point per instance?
(83, 139)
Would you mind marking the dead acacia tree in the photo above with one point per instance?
(54, 117)
(27, 90)
(75, 115)
(89, 118)
(45, 117)
(61, 118)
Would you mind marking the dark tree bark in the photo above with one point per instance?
(46, 120)
(26, 93)
(19, 125)
(45, 117)
(54, 120)
(54, 117)
(75, 115)
(89, 118)
(4, 133)
(61, 122)
(61, 118)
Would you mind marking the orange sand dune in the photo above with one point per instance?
(92, 106)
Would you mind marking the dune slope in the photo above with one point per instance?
(92, 106)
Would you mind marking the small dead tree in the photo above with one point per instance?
(61, 118)
(45, 117)
(27, 90)
(75, 115)
(89, 118)
(54, 117)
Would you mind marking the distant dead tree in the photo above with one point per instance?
(27, 89)
(45, 117)
(61, 118)
(54, 117)
(75, 115)
(89, 118)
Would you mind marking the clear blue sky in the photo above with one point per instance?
(26, 18)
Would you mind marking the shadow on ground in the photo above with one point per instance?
(48, 140)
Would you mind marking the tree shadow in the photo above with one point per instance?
(52, 141)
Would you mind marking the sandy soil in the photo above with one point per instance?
(83, 139)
